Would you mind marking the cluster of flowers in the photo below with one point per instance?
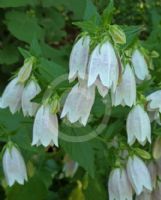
(137, 177)
(18, 94)
(99, 67)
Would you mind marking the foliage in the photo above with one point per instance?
(47, 30)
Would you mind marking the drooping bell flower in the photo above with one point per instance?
(79, 103)
(154, 101)
(79, 58)
(119, 186)
(14, 166)
(139, 175)
(140, 65)
(45, 129)
(103, 64)
(12, 95)
(30, 91)
(138, 126)
(26, 69)
(125, 93)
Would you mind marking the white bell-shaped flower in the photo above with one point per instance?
(45, 129)
(138, 126)
(119, 187)
(79, 58)
(140, 65)
(26, 69)
(14, 166)
(103, 64)
(125, 93)
(146, 195)
(154, 101)
(139, 175)
(30, 91)
(103, 90)
(79, 103)
(12, 95)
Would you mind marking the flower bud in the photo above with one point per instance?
(14, 166)
(117, 34)
(26, 69)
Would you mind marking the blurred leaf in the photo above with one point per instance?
(91, 11)
(53, 23)
(33, 189)
(108, 13)
(50, 70)
(132, 33)
(15, 3)
(78, 150)
(9, 55)
(23, 26)
(95, 189)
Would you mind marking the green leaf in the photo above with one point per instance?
(53, 23)
(33, 189)
(91, 11)
(50, 70)
(35, 48)
(24, 52)
(108, 13)
(96, 189)
(24, 26)
(132, 33)
(82, 152)
(9, 55)
(88, 26)
(15, 3)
